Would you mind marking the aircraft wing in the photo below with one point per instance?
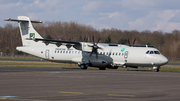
(58, 42)
(83, 46)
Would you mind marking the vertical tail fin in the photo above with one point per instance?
(27, 31)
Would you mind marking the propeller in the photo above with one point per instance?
(95, 47)
(133, 42)
(129, 42)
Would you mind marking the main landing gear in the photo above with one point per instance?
(124, 66)
(83, 67)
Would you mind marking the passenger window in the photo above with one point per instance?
(113, 53)
(151, 52)
(147, 52)
(72, 52)
(122, 54)
(63, 51)
(103, 53)
(116, 53)
(107, 53)
(69, 52)
(119, 53)
(55, 52)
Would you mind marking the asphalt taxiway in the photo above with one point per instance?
(47, 84)
(49, 61)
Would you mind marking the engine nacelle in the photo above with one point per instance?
(85, 47)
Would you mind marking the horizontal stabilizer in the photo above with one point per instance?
(23, 20)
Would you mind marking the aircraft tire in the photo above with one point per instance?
(102, 68)
(156, 70)
(83, 67)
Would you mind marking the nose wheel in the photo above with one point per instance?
(156, 69)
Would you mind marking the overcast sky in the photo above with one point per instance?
(138, 15)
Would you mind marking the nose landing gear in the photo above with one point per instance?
(156, 68)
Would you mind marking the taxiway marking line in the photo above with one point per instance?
(121, 95)
(70, 92)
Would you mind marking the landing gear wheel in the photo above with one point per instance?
(102, 68)
(83, 67)
(156, 70)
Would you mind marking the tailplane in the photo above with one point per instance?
(28, 33)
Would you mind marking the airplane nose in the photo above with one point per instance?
(164, 60)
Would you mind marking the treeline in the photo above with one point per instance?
(167, 43)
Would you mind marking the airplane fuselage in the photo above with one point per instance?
(86, 54)
(111, 55)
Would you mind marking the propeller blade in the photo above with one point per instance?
(95, 47)
(129, 42)
(96, 56)
(134, 41)
(93, 50)
(90, 55)
(98, 40)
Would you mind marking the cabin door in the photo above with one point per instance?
(126, 54)
(47, 54)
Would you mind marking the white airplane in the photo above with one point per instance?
(87, 54)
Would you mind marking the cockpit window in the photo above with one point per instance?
(147, 52)
(156, 52)
(151, 52)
